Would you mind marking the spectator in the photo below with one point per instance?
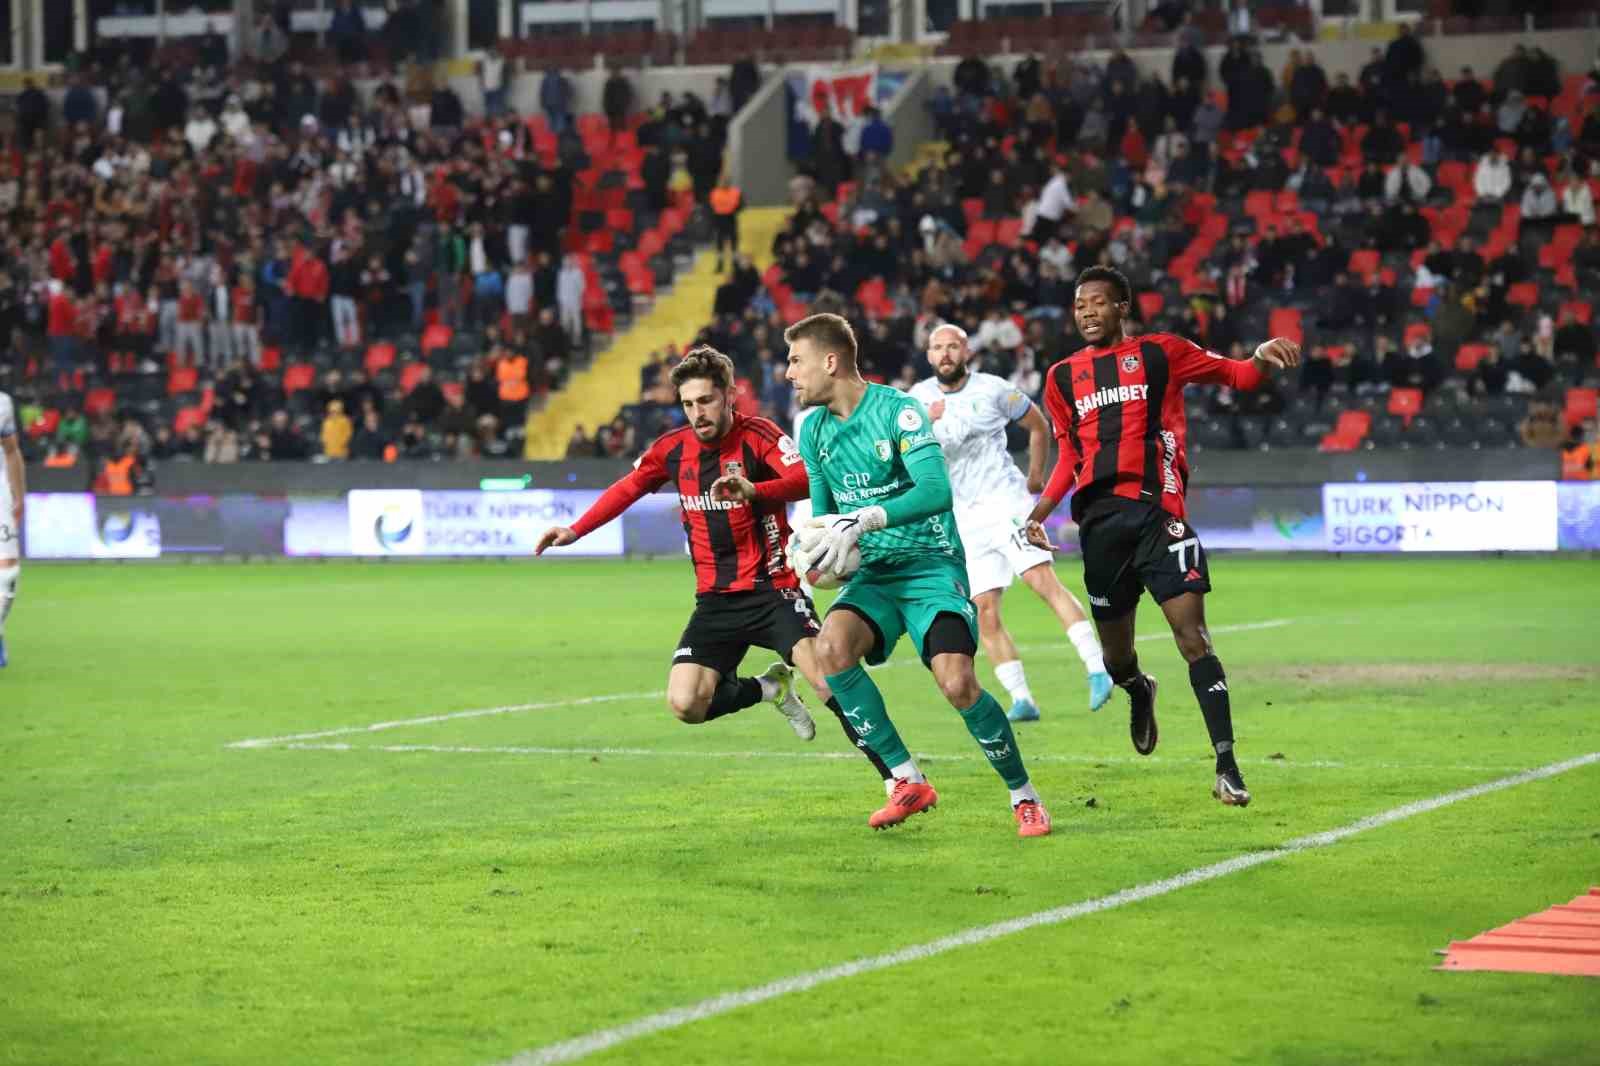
(492, 83)
(336, 431)
(617, 100)
(1490, 375)
(1577, 199)
(347, 32)
(579, 445)
(426, 401)
(1055, 202)
(877, 136)
(1492, 180)
(555, 99)
(571, 286)
(370, 442)
(1574, 341)
(726, 200)
(1539, 201)
(1407, 181)
(284, 443)
(33, 113)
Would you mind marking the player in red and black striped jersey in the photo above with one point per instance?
(1117, 406)
(734, 476)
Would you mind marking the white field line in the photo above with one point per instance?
(603, 1039)
(513, 708)
(431, 719)
(847, 755)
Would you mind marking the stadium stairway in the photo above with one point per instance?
(593, 396)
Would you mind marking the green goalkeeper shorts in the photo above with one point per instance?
(905, 596)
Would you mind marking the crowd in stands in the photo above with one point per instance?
(259, 259)
(1432, 241)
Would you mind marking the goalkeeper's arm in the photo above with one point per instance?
(929, 495)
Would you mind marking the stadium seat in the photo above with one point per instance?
(409, 374)
(1524, 294)
(1285, 322)
(182, 379)
(1417, 331)
(1150, 304)
(436, 336)
(380, 356)
(1468, 356)
(1405, 403)
(188, 417)
(100, 401)
(297, 376)
(1582, 310)
(1581, 404)
(1363, 261)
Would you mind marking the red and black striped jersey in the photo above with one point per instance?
(1119, 423)
(736, 546)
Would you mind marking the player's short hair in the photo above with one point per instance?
(829, 332)
(950, 327)
(1119, 281)
(704, 361)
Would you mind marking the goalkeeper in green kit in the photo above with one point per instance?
(879, 485)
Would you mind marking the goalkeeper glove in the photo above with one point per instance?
(840, 532)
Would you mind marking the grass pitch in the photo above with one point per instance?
(460, 890)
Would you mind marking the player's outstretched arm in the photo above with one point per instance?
(16, 478)
(647, 476)
(554, 537)
(1280, 353)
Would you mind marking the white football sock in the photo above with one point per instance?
(907, 771)
(1026, 792)
(1083, 638)
(1016, 682)
(8, 592)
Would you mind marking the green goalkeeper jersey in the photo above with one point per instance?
(861, 461)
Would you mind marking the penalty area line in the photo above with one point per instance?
(664, 1021)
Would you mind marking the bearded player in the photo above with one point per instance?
(879, 485)
(734, 476)
(1118, 411)
(970, 411)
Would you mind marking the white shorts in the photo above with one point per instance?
(10, 538)
(996, 553)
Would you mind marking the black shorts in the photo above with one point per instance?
(1128, 546)
(725, 625)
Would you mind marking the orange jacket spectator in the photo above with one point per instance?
(116, 477)
(512, 373)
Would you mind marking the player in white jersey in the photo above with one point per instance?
(13, 490)
(970, 412)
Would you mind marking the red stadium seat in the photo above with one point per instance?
(1524, 294)
(187, 417)
(380, 356)
(271, 358)
(1405, 403)
(1417, 331)
(1582, 404)
(1468, 356)
(46, 424)
(1363, 261)
(1285, 322)
(183, 379)
(100, 402)
(409, 375)
(436, 336)
(1582, 310)
(297, 376)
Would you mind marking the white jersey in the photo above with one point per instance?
(8, 420)
(972, 431)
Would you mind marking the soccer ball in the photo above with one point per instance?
(805, 546)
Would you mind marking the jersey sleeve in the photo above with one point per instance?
(1192, 363)
(8, 417)
(911, 429)
(1010, 401)
(1055, 406)
(779, 451)
(647, 475)
(817, 482)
